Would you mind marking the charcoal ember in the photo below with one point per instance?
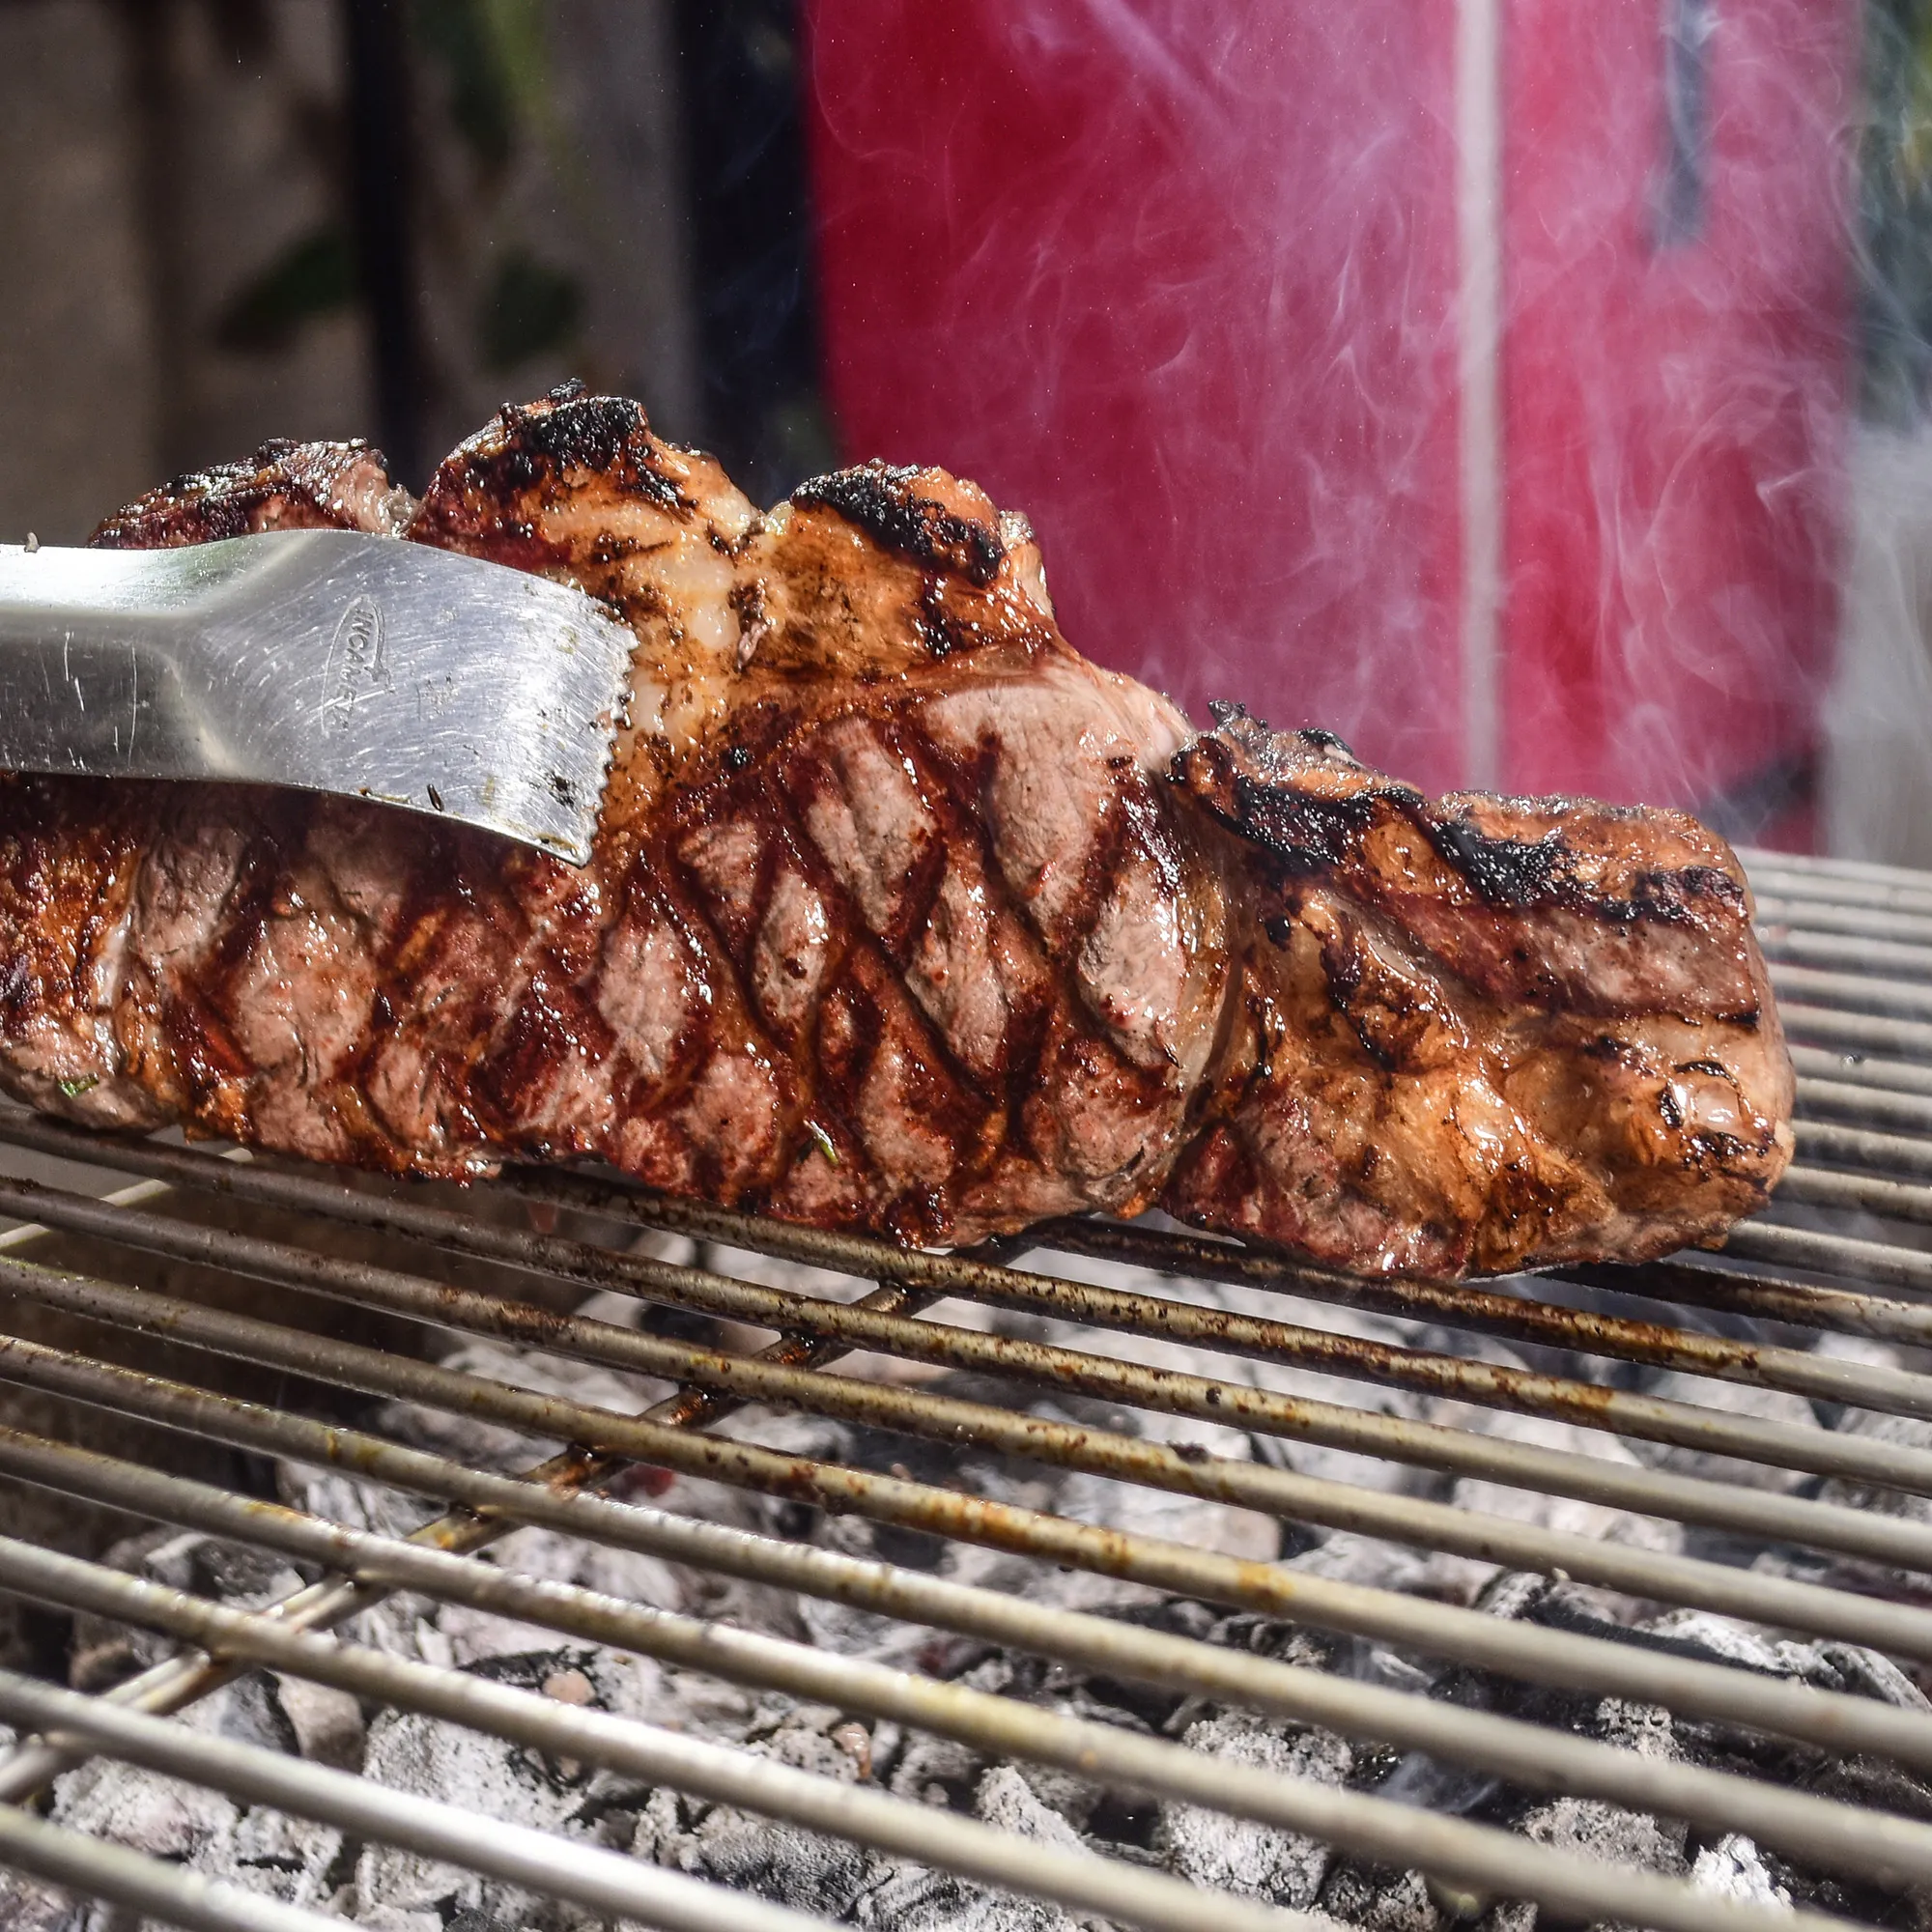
(288, 1858)
(28, 1906)
(1169, 1514)
(1864, 1350)
(473, 1635)
(1865, 1573)
(1308, 1459)
(484, 1446)
(1827, 1664)
(103, 1652)
(1238, 1855)
(910, 1899)
(1379, 1899)
(1345, 1557)
(937, 1771)
(778, 1860)
(1013, 1802)
(340, 1498)
(326, 1722)
(1596, 1830)
(498, 1779)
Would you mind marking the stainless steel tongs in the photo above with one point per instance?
(320, 659)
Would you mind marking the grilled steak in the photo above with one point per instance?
(903, 915)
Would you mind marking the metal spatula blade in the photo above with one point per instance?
(325, 660)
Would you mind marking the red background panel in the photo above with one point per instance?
(1178, 277)
(1675, 412)
(1174, 279)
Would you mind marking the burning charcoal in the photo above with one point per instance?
(937, 1771)
(27, 1906)
(777, 1860)
(1861, 1348)
(1349, 1558)
(162, 1816)
(327, 1493)
(1379, 1899)
(1435, 1784)
(103, 1653)
(780, 1861)
(490, 1776)
(1309, 1458)
(1606, 1832)
(1162, 1513)
(1568, 1514)
(1858, 1574)
(1253, 1860)
(289, 1859)
(1827, 1666)
(1008, 1800)
(482, 1445)
(913, 1899)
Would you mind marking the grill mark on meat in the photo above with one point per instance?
(902, 915)
(1258, 783)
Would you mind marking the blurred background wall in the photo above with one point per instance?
(222, 220)
(1537, 393)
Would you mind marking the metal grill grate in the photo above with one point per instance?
(1650, 1356)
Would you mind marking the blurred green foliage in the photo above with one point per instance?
(494, 58)
(1894, 213)
(313, 275)
(529, 309)
(490, 90)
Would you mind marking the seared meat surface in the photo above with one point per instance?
(903, 915)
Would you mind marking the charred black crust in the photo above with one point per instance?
(1254, 779)
(567, 433)
(1515, 872)
(885, 503)
(1304, 833)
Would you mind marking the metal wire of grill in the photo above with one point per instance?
(1841, 1256)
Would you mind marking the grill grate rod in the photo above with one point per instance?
(630, 1746)
(1276, 1491)
(1833, 1835)
(1815, 1067)
(1530, 1653)
(1450, 1846)
(1527, 1754)
(703, 1401)
(1810, 1449)
(584, 1874)
(98, 1868)
(1589, 1404)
